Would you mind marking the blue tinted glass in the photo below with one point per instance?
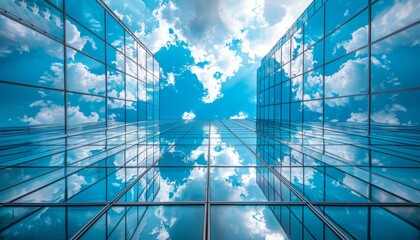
(116, 84)
(351, 36)
(347, 75)
(114, 33)
(116, 110)
(89, 13)
(38, 107)
(296, 66)
(130, 47)
(114, 58)
(297, 89)
(285, 53)
(314, 56)
(313, 28)
(297, 43)
(346, 109)
(84, 74)
(396, 108)
(131, 88)
(41, 56)
(83, 40)
(85, 109)
(339, 11)
(390, 16)
(131, 111)
(394, 61)
(37, 13)
(313, 84)
(131, 67)
(285, 93)
(141, 56)
(313, 111)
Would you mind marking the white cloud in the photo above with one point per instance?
(209, 28)
(75, 39)
(82, 79)
(170, 79)
(240, 115)
(188, 115)
(75, 116)
(49, 113)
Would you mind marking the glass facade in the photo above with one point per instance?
(338, 121)
(72, 65)
(333, 153)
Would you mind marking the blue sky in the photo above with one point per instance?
(208, 50)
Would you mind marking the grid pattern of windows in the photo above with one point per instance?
(348, 62)
(71, 65)
(218, 179)
(338, 121)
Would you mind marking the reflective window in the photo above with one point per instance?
(346, 109)
(314, 56)
(347, 75)
(285, 53)
(116, 84)
(114, 58)
(38, 107)
(131, 88)
(116, 110)
(37, 13)
(131, 111)
(130, 47)
(313, 84)
(149, 63)
(297, 88)
(396, 108)
(394, 61)
(142, 57)
(389, 16)
(83, 40)
(297, 43)
(85, 109)
(41, 56)
(347, 38)
(89, 13)
(339, 11)
(313, 30)
(84, 74)
(114, 33)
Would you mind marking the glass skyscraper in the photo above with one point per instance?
(333, 153)
(338, 121)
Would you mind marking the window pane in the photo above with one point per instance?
(116, 85)
(390, 16)
(347, 75)
(313, 28)
(83, 40)
(339, 11)
(37, 107)
(84, 74)
(89, 13)
(347, 38)
(41, 56)
(116, 110)
(85, 109)
(37, 13)
(395, 61)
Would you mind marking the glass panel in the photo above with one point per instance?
(37, 13)
(38, 107)
(114, 33)
(116, 110)
(339, 11)
(347, 76)
(394, 61)
(84, 74)
(347, 38)
(89, 13)
(41, 56)
(83, 40)
(84, 109)
(313, 28)
(116, 84)
(390, 16)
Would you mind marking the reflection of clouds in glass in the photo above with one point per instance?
(75, 39)
(19, 39)
(349, 79)
(248, 222)
(82, 79)
(165, 224)
(49, 113)
(75, 116)
(358, 39)
(395, 15)
(358, 117)
(388, 114)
